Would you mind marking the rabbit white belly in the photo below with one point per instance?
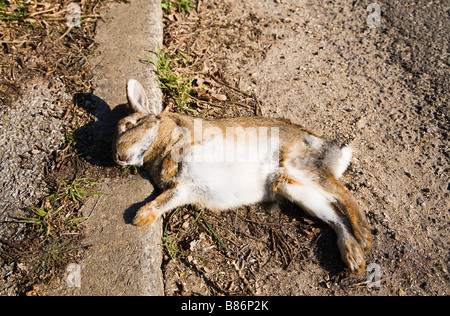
(221, 186)
(230, 174)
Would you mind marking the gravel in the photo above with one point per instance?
(31, 129)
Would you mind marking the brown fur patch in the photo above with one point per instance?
(169, 168)
(347, 206)
(280, 180)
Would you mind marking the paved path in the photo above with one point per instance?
(123, 259)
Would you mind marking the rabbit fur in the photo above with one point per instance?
(192, 162)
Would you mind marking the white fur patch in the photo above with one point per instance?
(343, 162)
(310, 196)
(338, 159)
(137, 151)
(230, 176)
(314, 141)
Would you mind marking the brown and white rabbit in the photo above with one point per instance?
(222, 164)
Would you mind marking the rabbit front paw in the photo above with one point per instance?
(145, 217)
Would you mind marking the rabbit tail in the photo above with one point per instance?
(337, 160)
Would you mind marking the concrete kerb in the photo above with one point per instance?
(123, 259)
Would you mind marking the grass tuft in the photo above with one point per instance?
(182, 6)
(169, 241)
(177, 86)
(73, 189)
(201, 220)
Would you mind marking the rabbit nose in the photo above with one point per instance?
(123, 158)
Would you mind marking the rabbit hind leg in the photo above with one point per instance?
(317, 202)
(346, 205)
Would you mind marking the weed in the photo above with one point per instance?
(200, 219)
(166, 5)
(13, 10)
(55, 229)
(131, 169)
(46, 220)
(168, 241)
(72, 189)
(177, 86)
(171, 234)
(50, 216)
(184, 6)
(73, 136)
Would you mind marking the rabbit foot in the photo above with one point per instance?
(145, 217)
(364, 237)
(352, 254)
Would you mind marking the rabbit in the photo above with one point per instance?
(191, 161)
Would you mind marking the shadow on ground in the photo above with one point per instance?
(94, 140)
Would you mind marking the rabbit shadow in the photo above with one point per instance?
(94, 139)
(322, 244)
(130, 212)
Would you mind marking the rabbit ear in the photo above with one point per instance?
(137, 99)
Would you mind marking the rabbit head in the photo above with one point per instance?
(136, 132)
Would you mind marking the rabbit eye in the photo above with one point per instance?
(129, 125)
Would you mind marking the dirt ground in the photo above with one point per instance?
(382, 89)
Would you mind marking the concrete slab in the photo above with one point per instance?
(123, 259)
